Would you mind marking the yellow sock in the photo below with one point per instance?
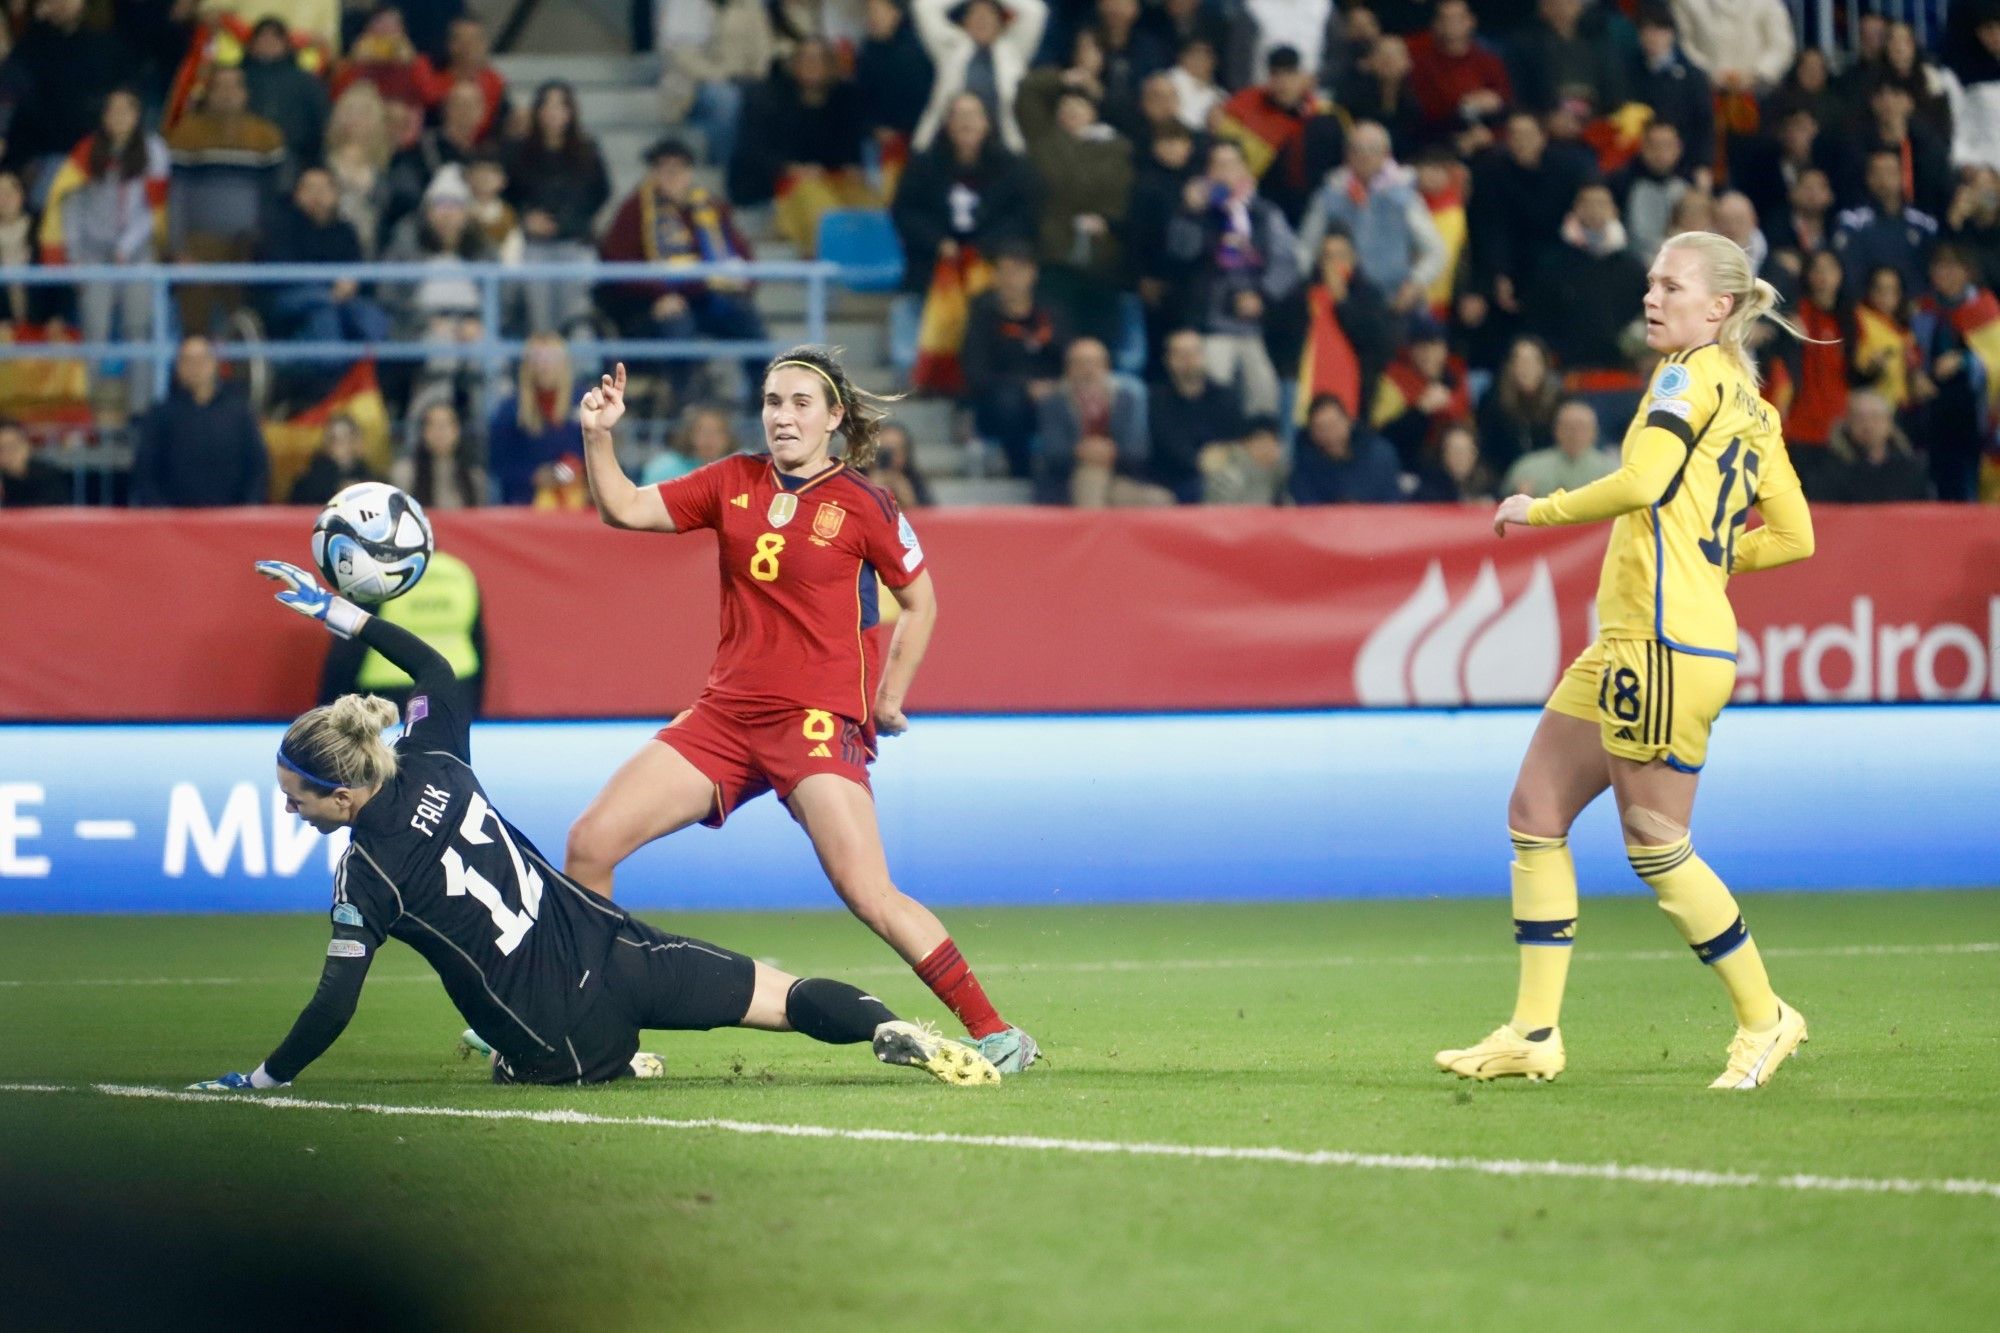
(1544, 883)
(1707, 916)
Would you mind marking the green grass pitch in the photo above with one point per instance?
(1301, 1026)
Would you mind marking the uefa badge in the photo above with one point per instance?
(783, 505)
(826, 523)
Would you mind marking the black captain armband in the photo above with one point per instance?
(1671, 416)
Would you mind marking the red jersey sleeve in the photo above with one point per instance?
(892, 546)
(695, 501)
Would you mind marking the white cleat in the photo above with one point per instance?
(647, 1065)
(921, 1046)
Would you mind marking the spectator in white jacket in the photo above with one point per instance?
(1972, 59)
(985, 51)
(1744, 46)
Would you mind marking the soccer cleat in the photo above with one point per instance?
(1755, 1056)
(922, 1046)
(647, 1065)
(470, 1043)
(1507, 1054)
(1011, 1050)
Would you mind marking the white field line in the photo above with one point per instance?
(1613, 1172)
(1154, 965)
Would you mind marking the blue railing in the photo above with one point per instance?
(492, 350)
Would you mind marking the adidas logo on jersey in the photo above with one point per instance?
(741, 501)
(1625, 734)
(819, 752)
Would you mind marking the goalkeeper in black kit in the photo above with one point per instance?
(558, 980)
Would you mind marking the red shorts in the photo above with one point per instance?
(748, 754)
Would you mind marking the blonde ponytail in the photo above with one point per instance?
(1727, 269)
(340, 744)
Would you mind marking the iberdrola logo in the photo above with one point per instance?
(1477, 649)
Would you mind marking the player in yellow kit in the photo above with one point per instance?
(1633, 712)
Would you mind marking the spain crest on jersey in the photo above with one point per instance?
(783, 505)
(826, 523)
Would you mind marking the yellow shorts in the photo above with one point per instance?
(1648, 701)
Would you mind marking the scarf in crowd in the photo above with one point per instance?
(1328, 364)
(1403, 384)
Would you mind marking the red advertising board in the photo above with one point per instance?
(109, 614)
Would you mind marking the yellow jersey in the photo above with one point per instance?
(1702, 449)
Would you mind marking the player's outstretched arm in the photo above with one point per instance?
(619, 503)
(319, 1024)
(1643, 477)
(906, 652)
(1785, 537)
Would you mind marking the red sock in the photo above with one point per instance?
(950, 978)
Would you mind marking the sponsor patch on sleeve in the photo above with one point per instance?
(346, 949)
(1679, 407)
(346, 914)
(913, 554)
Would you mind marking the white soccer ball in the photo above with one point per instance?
(372, 542)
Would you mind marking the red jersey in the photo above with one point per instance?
(799, 565)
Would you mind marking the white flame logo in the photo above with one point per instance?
(1480, 651)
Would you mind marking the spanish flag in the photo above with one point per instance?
(1876, 333)
(1403, 384)
(1447, 209)
(1328, 364)
(292, 443)
(941, 335)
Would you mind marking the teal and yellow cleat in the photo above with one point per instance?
(470, 1043)
(921, 1046)
(1508, 1054)
(1755, 1056)
(1010, 1049)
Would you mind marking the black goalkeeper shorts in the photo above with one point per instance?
(652, 980)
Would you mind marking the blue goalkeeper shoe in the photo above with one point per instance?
(1010, 1050)
(231, 1082)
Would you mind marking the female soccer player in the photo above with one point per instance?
(1633, 712)
(796, 696)
(557, 980)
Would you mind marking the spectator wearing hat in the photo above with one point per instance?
(1571, 463)
(284, 92)
(984, 47)
(443, 306)
(671, 218)
(1285, 129)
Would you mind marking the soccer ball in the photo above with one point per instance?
(372, 542)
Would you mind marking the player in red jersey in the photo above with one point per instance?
(797, 694)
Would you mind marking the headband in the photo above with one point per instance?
(309, 776)
(807, 365)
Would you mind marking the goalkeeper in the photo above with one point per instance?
(557, 979)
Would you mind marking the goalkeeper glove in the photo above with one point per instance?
(303, 594)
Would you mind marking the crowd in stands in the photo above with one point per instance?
(1159, 251)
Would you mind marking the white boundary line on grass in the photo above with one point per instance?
(1157, 965)
(1485, 1166)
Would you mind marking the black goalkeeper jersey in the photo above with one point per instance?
(520, 948)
